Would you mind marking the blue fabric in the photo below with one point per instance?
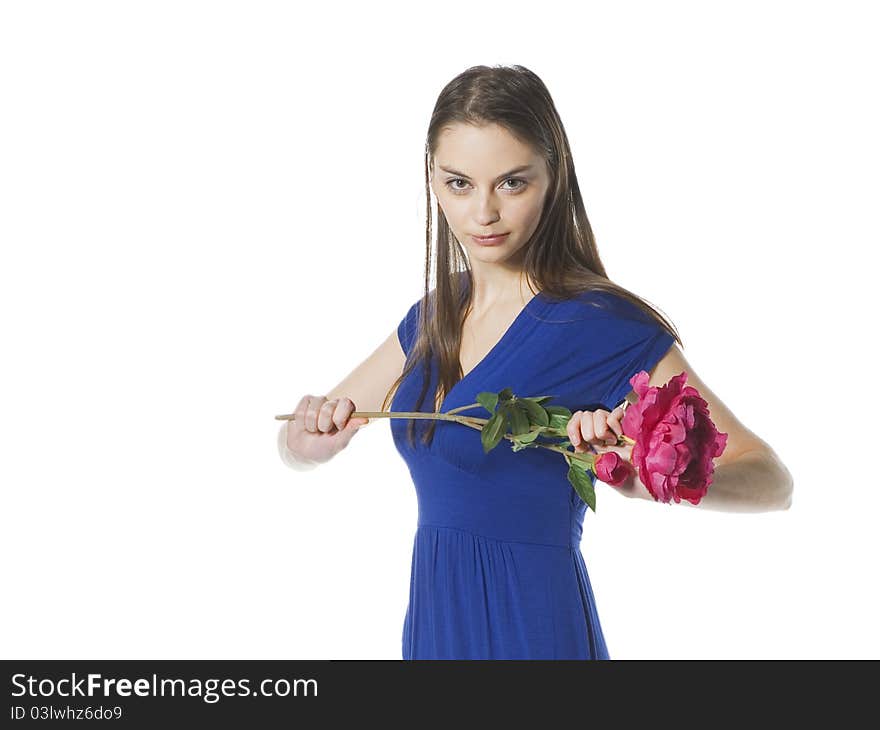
(497, 570)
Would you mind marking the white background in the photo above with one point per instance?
(211, 209)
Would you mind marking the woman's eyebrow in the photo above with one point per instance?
(521, 168)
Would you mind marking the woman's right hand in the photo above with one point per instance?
(322, 428)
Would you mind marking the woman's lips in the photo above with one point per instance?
(490, 241)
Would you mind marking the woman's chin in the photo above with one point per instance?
(489, 253)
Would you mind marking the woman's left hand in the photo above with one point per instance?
(632, 486)
(588, 429)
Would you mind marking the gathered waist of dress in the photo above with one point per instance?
(574, 543)
(539, 509)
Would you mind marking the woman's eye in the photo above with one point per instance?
(452, 183)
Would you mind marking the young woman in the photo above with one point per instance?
(522, 301)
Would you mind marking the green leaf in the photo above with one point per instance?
(506, 395)
(559, 422)
(539, 398)
(583, 485)
(488, 400)
(527, 438)
(519, 419)
(493, 431)
(559, 418)
(536, 413)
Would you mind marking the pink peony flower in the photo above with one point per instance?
(611, 469)
(675, 439)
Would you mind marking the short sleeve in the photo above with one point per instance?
(629, 341)
(408, 328)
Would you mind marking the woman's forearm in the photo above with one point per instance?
(756, 481)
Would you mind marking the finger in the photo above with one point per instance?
(325, 415)
(573, 430)
(347, 433)
(299, 414)
(587, 431)
(360, 420)
(310, 420)
(344, 408)
(614, 421)
(602, 434)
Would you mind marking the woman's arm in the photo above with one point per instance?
(748, 476)
(756, 481)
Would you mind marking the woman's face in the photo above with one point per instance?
(486, 182)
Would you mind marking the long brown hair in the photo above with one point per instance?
(561, 257)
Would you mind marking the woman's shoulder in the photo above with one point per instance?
(589, 304)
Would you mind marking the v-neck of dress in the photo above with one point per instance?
(499, 347)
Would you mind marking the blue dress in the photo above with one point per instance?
(497, 571)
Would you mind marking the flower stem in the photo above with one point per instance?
(475, 422)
